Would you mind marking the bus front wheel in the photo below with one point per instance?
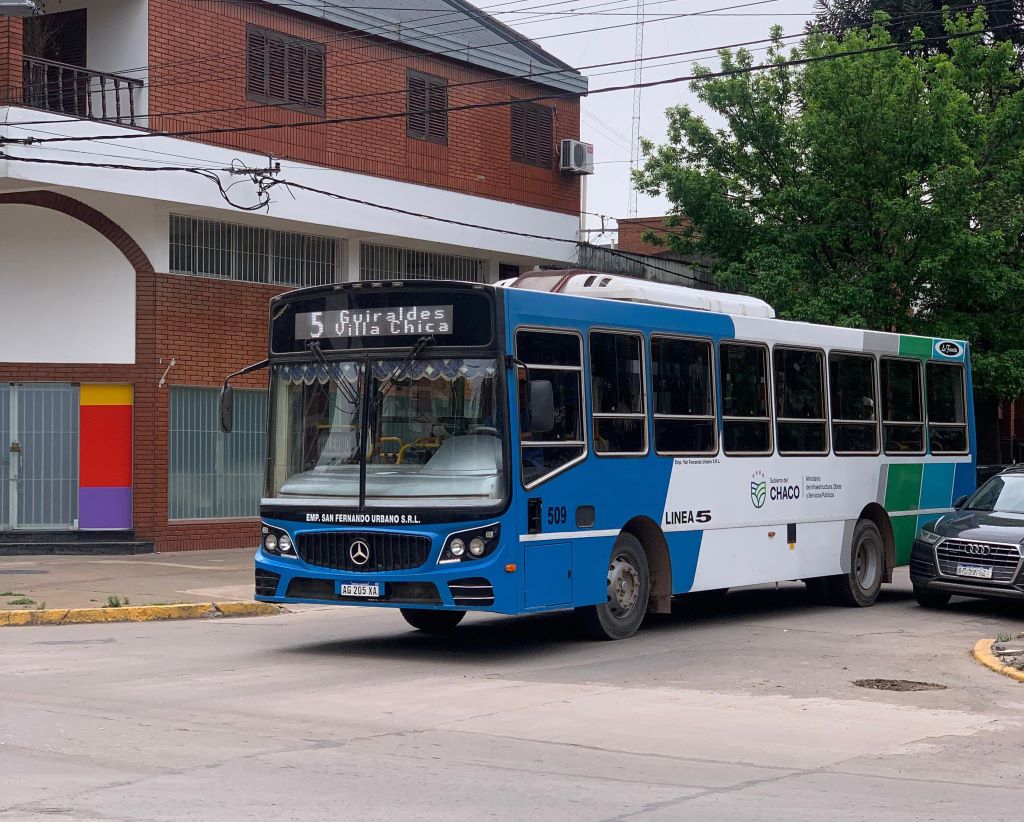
(859, 587)
(628, 589)
(432, 622)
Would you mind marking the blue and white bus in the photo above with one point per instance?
(573, 440)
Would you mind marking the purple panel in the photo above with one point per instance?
(105, 507)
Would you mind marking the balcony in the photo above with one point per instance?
(68, 89)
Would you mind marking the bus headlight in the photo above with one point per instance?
(276, 542)
(474, 543)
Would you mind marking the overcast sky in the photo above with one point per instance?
(607, 118)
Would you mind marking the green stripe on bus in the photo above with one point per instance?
(920, 347)
(904, 529)
(903, 488)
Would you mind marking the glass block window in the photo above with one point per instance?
(385, 262)
(212, 248)
(214, 475)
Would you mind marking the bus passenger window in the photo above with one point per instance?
(800, 401)
(617, 389)
(947, 412)
(746, 427)
(902, 414)
(684, 409)
(556, 357)
(854, 420)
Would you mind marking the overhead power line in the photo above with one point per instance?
(704, 75)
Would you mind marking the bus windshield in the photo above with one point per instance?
(435, 430)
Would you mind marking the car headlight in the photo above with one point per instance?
(469, 545)
(928, 536)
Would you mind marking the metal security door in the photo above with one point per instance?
(6, 469)
(42, 454)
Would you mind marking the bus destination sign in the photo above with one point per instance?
(415, 320)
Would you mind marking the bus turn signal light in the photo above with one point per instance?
(510, 568)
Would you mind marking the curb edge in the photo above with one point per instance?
(983, 653)
(137, 613)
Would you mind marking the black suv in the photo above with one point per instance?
(976, 550)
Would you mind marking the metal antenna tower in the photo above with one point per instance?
(634, 137)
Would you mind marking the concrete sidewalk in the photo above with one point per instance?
(147, 579)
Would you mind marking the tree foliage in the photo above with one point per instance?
(883, 190)
(838, 17)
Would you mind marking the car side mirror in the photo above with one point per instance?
(227, 408)
(542, 407)
(961, 501)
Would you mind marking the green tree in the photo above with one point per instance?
(883, 189)
(838, 17)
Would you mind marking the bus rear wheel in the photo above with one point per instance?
(433, 622)
(860, 586)
(628, 589)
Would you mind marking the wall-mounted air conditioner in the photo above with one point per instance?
(576, 157)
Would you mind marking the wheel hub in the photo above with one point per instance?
(623, 586)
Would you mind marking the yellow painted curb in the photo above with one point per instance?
(137, 613)
(983, 653)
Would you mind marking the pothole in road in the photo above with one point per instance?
(898, 685)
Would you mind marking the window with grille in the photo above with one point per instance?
(384, 262)
(427, 105)
(532, 134)
(213, 475)
(211, 248)
(284, 71)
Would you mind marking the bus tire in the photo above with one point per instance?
(629, 587)
(432, 622)
(860, 586)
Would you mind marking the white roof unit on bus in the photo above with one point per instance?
(582, 283)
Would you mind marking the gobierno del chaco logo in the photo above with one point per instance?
(758, 489)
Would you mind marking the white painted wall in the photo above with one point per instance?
(67, 295)
(117, 40)
(555, 239)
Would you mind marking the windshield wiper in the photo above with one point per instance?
(344, 389)
(403, 366)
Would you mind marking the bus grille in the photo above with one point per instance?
(1005, 560)
(472, 591)
(395, 592)
(388, 552)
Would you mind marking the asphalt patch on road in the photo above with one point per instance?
(898, 685)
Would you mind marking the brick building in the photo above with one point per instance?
(126, 296)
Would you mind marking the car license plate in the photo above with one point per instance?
(370, 590)
(979, 571)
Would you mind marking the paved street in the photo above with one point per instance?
(742, 711)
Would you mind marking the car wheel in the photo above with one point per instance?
(931, 599)
(629, 586)
(860, 586)
(432, 622)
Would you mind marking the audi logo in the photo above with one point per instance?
(976, 549)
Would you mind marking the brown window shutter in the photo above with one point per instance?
(256, 63)
(545, 136)
(296, 73)
(437, 119)
(417, 105)
(316, 64)
(519, 132)
(277, 70)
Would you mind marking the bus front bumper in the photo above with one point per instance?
(482, 585)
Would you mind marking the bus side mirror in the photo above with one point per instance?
(227, 408)
(542, 406)
(960, 502)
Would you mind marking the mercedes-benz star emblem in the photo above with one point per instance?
(359, 552)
